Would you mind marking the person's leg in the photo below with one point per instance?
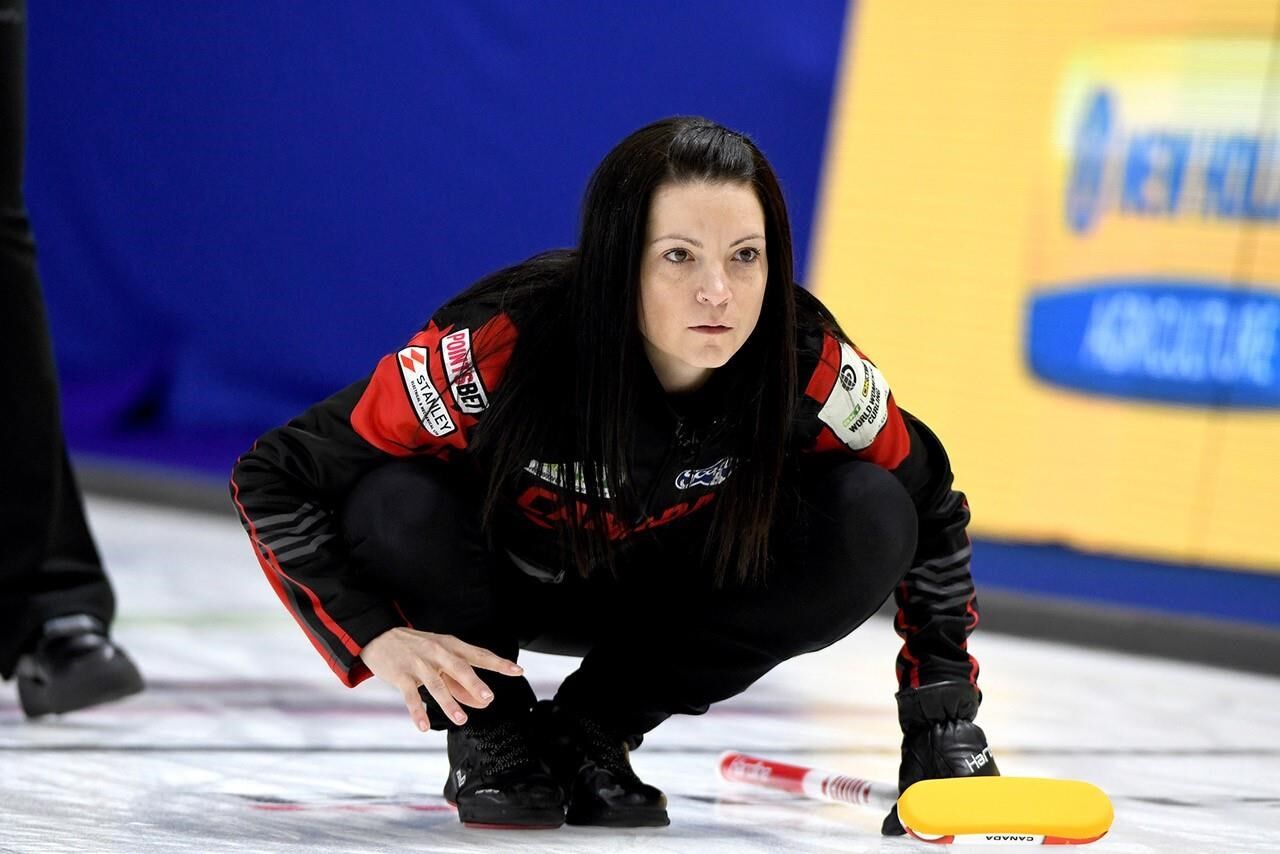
(413, 531)
(414, 534)
(676, 645)
(71, 579)
(839, 552)
(49, 566)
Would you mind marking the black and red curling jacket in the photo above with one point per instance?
(426, 398)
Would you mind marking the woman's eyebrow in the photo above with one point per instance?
(696, 243)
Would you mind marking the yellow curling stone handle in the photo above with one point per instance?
(1063, 811)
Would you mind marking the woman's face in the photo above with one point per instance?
(702, 278)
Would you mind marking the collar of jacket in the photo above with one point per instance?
(696, 416)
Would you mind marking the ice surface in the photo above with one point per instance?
(244, 741)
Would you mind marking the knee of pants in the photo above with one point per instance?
(864, 509)
(861, 537)
(407, 516)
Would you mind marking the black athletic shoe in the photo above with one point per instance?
(74, 665)
(595, 767)
(496, 780)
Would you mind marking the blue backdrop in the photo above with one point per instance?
(240, 206)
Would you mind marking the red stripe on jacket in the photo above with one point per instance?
(274, 573)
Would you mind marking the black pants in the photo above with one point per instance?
(49, 565)
(656, 640)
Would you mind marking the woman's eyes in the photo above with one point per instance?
(746, 255)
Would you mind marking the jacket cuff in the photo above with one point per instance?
(937, 703)
(368, 625)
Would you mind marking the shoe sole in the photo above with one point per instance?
(620, 818)
(480, 825)
(38, 699)
(509, 818)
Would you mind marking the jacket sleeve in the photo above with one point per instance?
(856, 413)
(288, 489)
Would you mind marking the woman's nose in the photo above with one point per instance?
(714, 291)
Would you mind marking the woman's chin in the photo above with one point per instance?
(713, 355)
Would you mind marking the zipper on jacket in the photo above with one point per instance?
(678, 442)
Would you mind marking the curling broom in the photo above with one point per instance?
(1017, 810)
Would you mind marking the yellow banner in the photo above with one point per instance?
(1056, 228)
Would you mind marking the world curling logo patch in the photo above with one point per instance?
(858, 405)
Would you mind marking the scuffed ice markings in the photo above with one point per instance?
(247, 743)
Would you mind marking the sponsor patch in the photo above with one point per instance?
(712, 475)
(427, 403)
(464, 380)
(858, 405)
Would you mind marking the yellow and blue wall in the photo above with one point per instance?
(1055, 226)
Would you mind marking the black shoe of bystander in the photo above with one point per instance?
(73, 665)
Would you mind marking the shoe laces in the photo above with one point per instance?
(605, 749)
(505, 746)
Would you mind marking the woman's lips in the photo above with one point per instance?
(712, 330)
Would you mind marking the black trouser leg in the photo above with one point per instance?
(69, 578)
(658, 642)
(413, 530)
(680, 646)
(48, 563)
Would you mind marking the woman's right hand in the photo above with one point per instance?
(442, 664)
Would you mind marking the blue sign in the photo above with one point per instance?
(1167, 172)
(1199, 343)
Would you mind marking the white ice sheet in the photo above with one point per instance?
(244, 741)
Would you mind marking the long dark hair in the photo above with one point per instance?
(569, 394)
